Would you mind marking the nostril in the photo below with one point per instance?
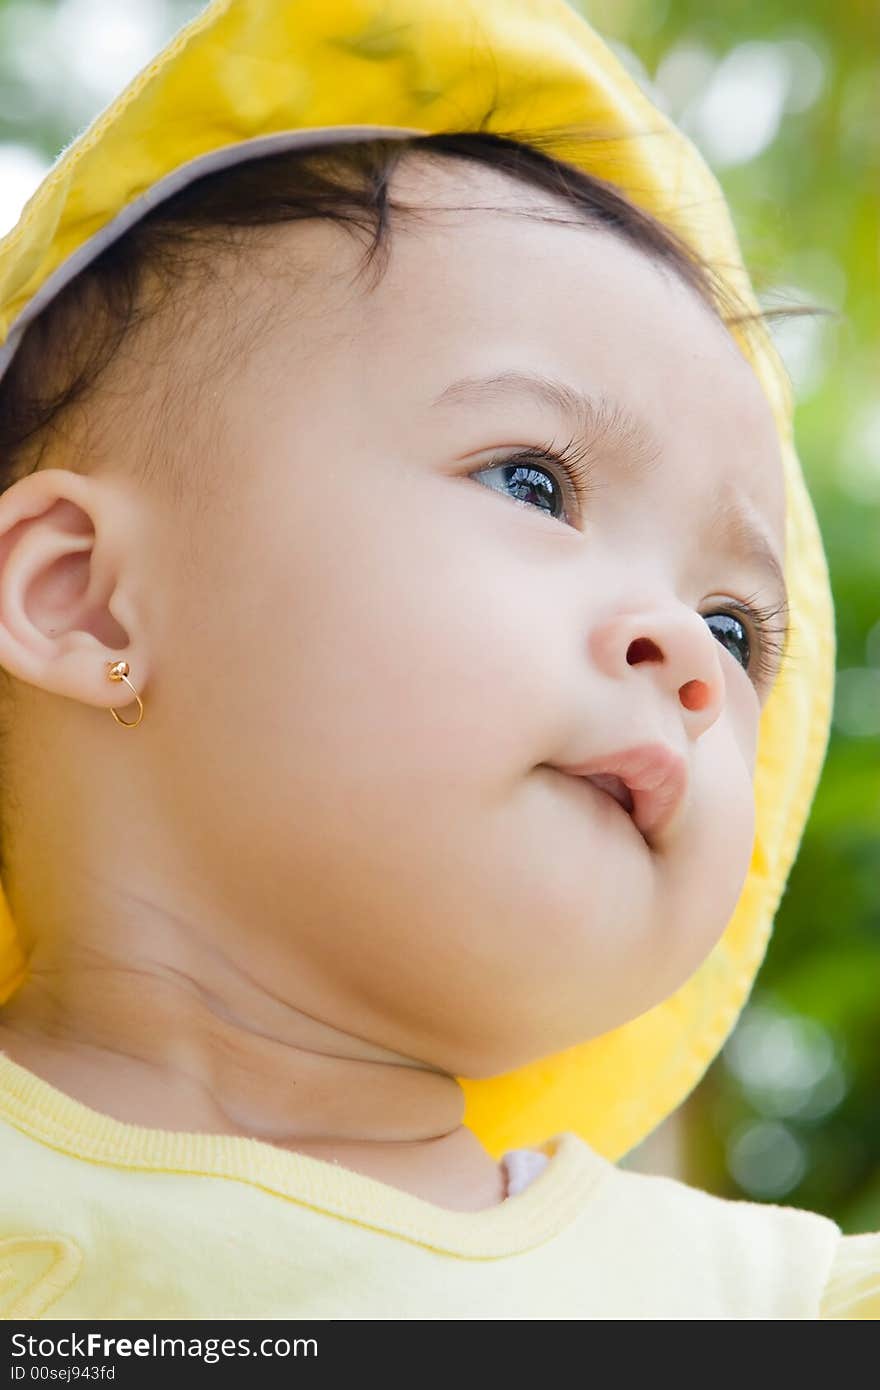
(642, 649)
(694, 695)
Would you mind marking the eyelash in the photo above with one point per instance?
(771, 639)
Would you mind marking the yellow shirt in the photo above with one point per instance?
(103, 1219)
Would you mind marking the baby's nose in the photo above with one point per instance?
(677, 640)
(695, 693)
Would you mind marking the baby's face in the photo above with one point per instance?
(389, 639)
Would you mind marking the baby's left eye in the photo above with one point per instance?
(733, 634)
(754, 630)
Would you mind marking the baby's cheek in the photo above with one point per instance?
(709, 863)
(742, 716)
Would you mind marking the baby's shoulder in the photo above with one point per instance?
(771, 1254)
(723, 1257)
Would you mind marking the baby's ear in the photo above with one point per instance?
(63, 550)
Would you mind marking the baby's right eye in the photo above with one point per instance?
(526, 473)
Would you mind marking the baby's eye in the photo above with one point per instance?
(732, 634)
(526, 479)
(755, 633)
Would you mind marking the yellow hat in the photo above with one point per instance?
(248, 77)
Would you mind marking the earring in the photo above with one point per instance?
(118, 671)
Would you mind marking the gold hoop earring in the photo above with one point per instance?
(118, 671)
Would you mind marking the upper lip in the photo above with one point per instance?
(656, 776)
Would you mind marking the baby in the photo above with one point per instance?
(450, 601)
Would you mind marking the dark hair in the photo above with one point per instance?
(65, 352)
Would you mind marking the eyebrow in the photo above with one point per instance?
(605, 420)
(732, 521)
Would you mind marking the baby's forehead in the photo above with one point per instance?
(472, 287)
(476, 282)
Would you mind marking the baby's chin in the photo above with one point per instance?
(570, 993)
(576, 926)
(532, 1041)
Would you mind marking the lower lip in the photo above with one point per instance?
(599, 792)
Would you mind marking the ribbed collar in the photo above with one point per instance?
(545, 1208)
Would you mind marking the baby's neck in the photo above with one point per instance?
(144, 1053)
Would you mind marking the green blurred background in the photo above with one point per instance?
(782, 101)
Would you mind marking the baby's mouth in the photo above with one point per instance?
(618, 789)
(650, 781)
